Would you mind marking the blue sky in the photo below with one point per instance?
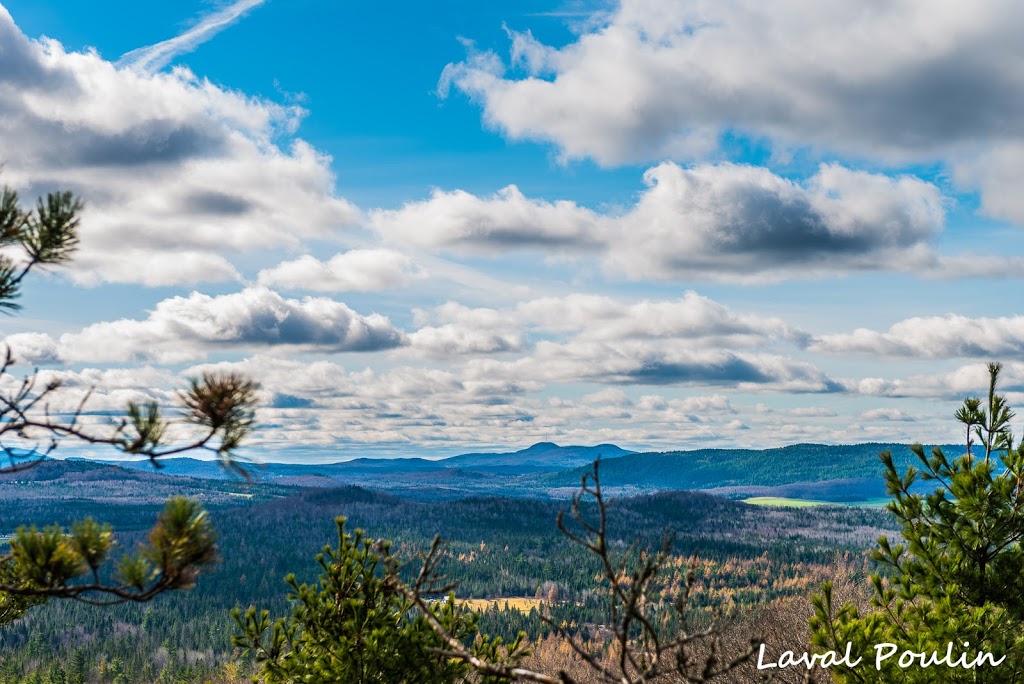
(452, 226)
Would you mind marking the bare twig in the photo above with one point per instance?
(643, 654)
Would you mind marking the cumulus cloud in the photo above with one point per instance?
(607, 397)
(933, 337)
(719, 222)
(963, 381)
(454, 340)
(455, 329)
(706, 404)
(661, 78)
(105, 391)
(995, 169)
(313, 380)
(507, 219)
(33, 348)
(742, 222)
(887, 414)
(693, 316)
(897, 82)
(581, 338)
(322, 408)
(649, 362)
(182, 328)
(358, 270)
(182, 176)
(177, 173)
(478, 403)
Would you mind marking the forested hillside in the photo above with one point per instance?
(498, 548)
(836, 473)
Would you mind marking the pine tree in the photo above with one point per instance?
(217, 412)
(355, 626)
(956, 576)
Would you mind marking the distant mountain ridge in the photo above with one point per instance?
(848, 473)
(843, 472)
(540, 457)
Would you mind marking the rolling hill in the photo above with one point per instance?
(831, 473)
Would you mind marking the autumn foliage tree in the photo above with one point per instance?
(216, 413)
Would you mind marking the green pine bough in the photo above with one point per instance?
(951, 589)
(216, 412)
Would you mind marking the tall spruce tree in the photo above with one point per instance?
(956, 576)
(217, 413)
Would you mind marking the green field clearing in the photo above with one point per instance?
(783, 501)
(807, 503)
(880, 502)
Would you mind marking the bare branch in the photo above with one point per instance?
(632, 587)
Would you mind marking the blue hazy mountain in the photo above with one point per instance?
(845, 472)
(541, 457)
(837, 473)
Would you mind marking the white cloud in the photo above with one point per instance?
(358, 270)
(106, 390)
(33, 348)
(712, 222)
(933, 337)
(184, 328)
(693, 316)
(969, 380)
(154, 57)
(652, 362)
(185, 179)
(506, 220)
(608, 397)
(320, 405)
(149, 267)
(178, 174)
(995, 169)
(309, 379)
(663, 78)
(746, 223)
(811, 412)
(465, 407)
(450, 340)
(454, 329)
(887, 414)
(897, 82)
(703, 405)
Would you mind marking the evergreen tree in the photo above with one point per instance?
(356, 627)
(365, 623)
(77, 668)
(956, 576)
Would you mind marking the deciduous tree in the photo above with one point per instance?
(654, 640)
(364, 622)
